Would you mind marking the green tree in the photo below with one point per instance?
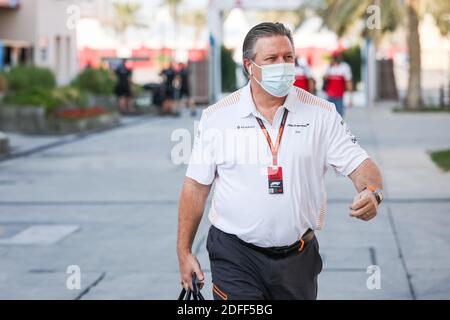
(279, 16)
(228, 70)
(414, 93)
(95, 81)
(441, 13)
(341, 16)
(125, 16)
(173, 8)
(353, 57)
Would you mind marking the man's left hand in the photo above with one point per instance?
(364, 206)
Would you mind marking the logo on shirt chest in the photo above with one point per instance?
(245, 127)
(298, 126)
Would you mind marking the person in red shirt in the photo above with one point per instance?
(337, 80)
(303, 76)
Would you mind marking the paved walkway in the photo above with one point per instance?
(108, 204)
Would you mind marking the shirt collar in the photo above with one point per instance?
(248, 106)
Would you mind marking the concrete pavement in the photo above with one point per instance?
(108, 204)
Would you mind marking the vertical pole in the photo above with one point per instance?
(1, 55)
(365, 72)
(448, 96)
(215, 41)
(369, 72)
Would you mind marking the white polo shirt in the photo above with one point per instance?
(231, 150)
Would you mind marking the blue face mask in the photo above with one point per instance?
(277, 79)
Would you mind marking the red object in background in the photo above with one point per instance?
(93, 57)
(335, 86)
(129, 64)
(197, 55)
(80, 113)
(337, 53)
(302, 82)
(154, 57)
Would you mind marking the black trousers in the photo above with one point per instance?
(243, 273)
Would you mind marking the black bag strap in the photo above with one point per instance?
(182, 294)
(194, 294)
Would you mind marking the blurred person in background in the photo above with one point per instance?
(169, 91)
(123, 88)
(303, 76)
(337, 80)
(184, 94)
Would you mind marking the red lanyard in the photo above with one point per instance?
(274, 149)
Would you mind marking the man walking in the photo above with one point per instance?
(184, 95)
(264, 213)
(123, 88)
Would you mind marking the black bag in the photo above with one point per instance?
(191, 294)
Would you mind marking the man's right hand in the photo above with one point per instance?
(188, 266)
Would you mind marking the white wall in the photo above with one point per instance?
(19, 24)
(54, 27)
(41, 23)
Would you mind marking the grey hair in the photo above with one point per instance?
(265, 29)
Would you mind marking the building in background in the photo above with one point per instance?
(41, 32)
(151, 38)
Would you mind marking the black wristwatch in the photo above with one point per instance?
(377, 192)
